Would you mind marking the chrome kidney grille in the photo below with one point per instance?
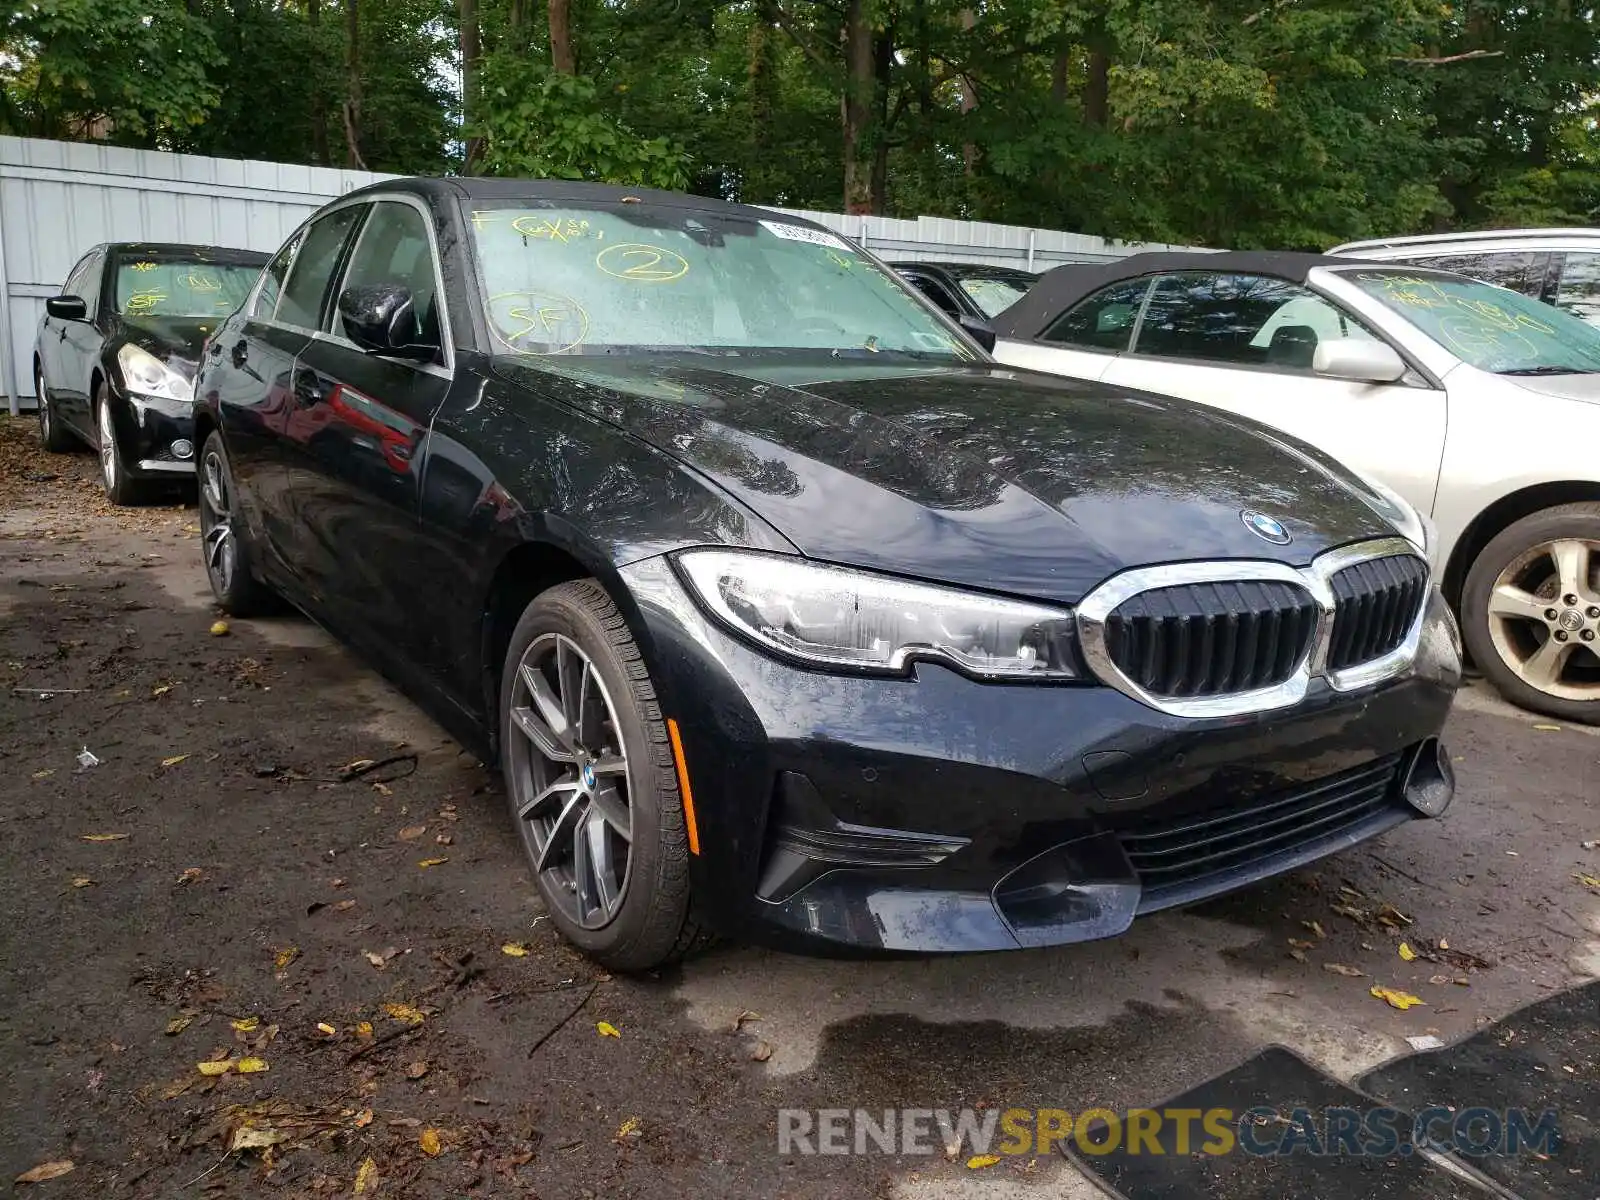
(1210, 639)
(1222, 638)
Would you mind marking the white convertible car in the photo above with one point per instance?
(1479, 406)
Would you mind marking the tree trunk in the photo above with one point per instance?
(1097, 82)
(969, 101)
(855, 106)
(882, 71)
(1059, 68)
(758, 183)
(467, 13)
(352, 63)
(320, 149)
(561, 57)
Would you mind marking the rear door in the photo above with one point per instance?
(1084, 340)
(1245, 343)
(354, 475)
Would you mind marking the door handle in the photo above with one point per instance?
(308, 389)
(240, 352)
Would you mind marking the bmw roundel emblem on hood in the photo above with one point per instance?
(1264, 526)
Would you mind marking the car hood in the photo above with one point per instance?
(1561, 387)
(176, 341)
(976, 475)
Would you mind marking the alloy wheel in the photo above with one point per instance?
(568, 780)
(44, 407)
(216, 522)
(108, 446)
(1544, 618)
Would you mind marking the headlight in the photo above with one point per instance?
(147, 375)
(834, 617)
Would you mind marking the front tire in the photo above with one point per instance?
(51, 436)
(591, 781)
(121, 488)
(1531, 612)
(224, 541)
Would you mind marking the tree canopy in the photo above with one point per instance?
(1246, 123)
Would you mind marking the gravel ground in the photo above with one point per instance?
(233, 884)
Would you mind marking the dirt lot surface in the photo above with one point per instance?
(227, 886)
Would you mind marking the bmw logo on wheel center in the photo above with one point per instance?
(588, 775)
(1264, 526)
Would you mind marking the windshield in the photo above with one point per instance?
(993, 295)
(1491, 328)
(612, 279)
(163, 286)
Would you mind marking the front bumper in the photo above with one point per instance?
(154, 434)
(936, 813)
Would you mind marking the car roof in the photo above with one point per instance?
(1468, 237)
(1065, 286)
(439, 189)
(220, 253)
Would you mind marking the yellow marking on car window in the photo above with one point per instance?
(640, 263)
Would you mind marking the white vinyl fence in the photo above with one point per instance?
(59, 198)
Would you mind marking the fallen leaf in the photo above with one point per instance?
(1395, 998)
(383, 789)
(762, 1052)
(746, 1015)
(1438, 979)
(219, 628)
(432, 862)
(1588, 881)
(411, 833)
(49, 771)
(82, 881)
(1301, 943)
(328, 1030)
(1315, 927)
(607, 1029)
(284, 957)
(252, 1066)
(629, 1128)
(174, 760)
(1407, 953)
(366, 1177)
(1548, 728)
(444, 839)
(404, 1012)
(343, 906)
(1343, 969)
(356, 764)
(381, 957)
(428, 1139)
(363, 1118)
(190, 874)
(47, 1171)
(515, 950)
(1444, 943)
(162, 689)
(979, 1161)
(219, 1067)
(248, 1137)
(246, 1024)
(363, 1029)
(1298, 955)
(177, 1025)
(104, 837)
(416, 1070)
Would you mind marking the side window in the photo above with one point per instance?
(394, 249)
(1579, 290)
(74, 284)
(1102, 322)
(313, 266)
(84, 282)
(931, 288)
(1241, 320)
(272, 279)
(1520, 270)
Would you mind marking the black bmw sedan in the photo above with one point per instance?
(785, 611)
(115, 354)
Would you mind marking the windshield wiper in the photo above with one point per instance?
(1551, 371)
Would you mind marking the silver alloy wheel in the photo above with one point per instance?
(108, 445)
(568, 779)
(44, 406)
(1544, 618)
(216, 521)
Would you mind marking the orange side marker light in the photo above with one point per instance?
(683, 787)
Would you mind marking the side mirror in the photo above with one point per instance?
(381, 319)
(1358, 360)
(67, 308)
(979, 331)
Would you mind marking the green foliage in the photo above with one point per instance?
(539, 124)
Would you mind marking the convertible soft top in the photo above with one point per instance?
(1063, 287)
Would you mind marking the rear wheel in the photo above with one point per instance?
(51, 435)
(223, 538)
(1532, 612)
(591, 781)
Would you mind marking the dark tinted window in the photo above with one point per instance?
(1240, 320)
(1102, 322)
(394, 249)
(935, 291)
(1579, 290)
(272, 279)
(313, 267)
(1520, 270)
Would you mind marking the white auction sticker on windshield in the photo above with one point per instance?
(800, 233)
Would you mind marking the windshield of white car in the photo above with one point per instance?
(1489, 327)
(993, 293)
(162, 285)
(625, 278)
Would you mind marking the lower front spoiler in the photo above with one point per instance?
(1094, 886)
